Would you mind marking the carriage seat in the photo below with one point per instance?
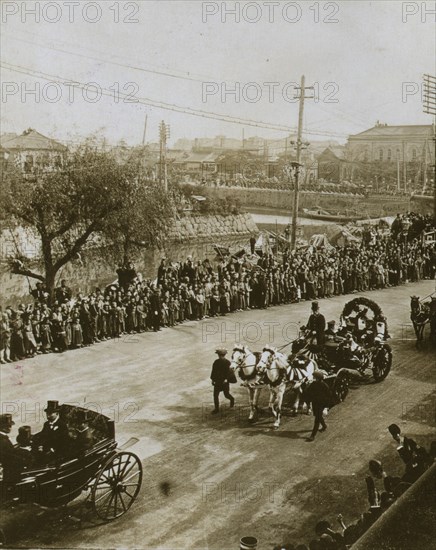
(86, 427)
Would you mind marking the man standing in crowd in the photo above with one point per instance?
(63, 293)
(318, 393)
(316, 324)
(220, 379)
(156, 308)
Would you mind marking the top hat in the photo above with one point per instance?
(315, 306)
(52, 406)
(331, 323)
(221, 351)
(6, 420)
(24, 436)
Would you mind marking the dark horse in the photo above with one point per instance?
(422, 313)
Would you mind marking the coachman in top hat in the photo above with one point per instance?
(316, 324)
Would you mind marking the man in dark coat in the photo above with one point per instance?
(53, 440)
(9, 458)
(316, 324)
(155, 309)
(12, 460)
(318, 393)
(220, 379)
(63, 293)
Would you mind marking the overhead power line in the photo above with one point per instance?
(161, 104)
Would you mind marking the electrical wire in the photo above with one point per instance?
(161, 104)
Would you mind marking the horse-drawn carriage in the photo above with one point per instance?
(282, 373)
(111, 476)
(358, 349)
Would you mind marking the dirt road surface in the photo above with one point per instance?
(208, 480)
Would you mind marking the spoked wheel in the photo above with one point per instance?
(340, 386)
(116, 486)
(382, 363)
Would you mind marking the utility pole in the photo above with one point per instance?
(145, 130)
(398, 173)
(164, 134)
(429, 102)
(298, 164)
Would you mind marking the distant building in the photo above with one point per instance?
(33, 153)
(203, 162)
(333, 165)
(389, 143)
(403, 153)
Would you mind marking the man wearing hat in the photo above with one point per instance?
(84, 434)
(316, 324)
(10, 459)
(53, 439)
(318, 393)
(220, 379)
(330, 333)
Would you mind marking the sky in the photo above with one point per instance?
(365, 61)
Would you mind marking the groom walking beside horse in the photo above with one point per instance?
(221, 377)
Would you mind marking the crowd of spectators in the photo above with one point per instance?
(193, 290)
(356, 188)
(288, 185)
(382, 489)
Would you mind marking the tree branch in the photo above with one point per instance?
(17, 270)
(75, 249)
(63, 229)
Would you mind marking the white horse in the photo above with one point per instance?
(275, 365)
(300, 373)
(244, 362)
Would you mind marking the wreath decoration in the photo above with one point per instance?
(354, 307)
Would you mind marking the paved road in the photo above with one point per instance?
(227, 478)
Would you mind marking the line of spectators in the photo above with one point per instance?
(383, 490)
(195, 290)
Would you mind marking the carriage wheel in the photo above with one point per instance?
(116, 486)
(382, 363)
(340, 387)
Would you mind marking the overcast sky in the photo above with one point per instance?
(358, 55)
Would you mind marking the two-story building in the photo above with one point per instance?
(402, 153)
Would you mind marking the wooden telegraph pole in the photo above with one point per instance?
(430, 108)
(164, 134)
(298, 164)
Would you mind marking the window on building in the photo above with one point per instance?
(380, 154)
(413, 154)
(398, 153)
(389, 154)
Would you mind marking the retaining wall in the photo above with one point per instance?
(190, 235)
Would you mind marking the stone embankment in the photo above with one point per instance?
(193, 235)
(376, 206)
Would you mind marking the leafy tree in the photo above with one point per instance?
(93, 194)
(143, 215)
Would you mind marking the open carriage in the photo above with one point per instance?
(111, 476)
(359, 348)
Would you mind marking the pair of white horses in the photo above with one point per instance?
(274, 369)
